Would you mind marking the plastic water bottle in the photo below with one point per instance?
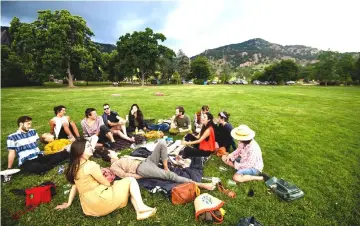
(61, 169)
(136, 130)
(231, 183)
(222, 168)
(213, 180)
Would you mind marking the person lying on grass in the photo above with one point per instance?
(53, 146)
(203, 144)
(128, 167)
(23, 143)
(247, 158)
(98, 197)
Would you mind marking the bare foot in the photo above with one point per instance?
(142, 216)
(145, 208)
(208, 186)
(178, 158)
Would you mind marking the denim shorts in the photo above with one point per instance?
(248, 171)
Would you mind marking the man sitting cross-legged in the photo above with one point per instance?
(128, 167)
(23, 143)
(61, 126)
(115, 123)
(180, 123)
(93, 124)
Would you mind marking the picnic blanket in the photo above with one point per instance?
(121, 144)
(194, 172)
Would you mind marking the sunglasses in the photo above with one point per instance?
(106, 109)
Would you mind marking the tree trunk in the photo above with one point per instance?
(325, 82)
(70, 78)
(142, 77)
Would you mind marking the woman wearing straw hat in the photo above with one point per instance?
(247, 158)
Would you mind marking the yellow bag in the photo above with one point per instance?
(154, 134)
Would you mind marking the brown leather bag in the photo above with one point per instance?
(184, 193)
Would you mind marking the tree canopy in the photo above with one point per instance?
(142, 50)
(54, 44)
(200, 68)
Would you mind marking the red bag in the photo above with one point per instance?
(35, 196)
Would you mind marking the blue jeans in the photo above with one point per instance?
(162, 127)
(248, 171)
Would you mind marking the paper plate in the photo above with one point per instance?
(9, 171)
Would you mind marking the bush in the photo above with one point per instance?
(199, 81)
(330, 83)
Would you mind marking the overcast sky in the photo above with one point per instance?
(197, 25)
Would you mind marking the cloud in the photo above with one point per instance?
(195, 26)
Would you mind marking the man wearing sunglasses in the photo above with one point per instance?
(115, 123)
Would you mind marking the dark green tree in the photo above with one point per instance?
(346, 67)
(200, 68)
(53, 44)
(142, 50)
(356, 75)
(182, 64)
(325, 69)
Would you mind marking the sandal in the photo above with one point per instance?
(227, 192)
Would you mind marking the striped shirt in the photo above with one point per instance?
(25, 145)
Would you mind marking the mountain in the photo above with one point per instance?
(259, 51)
(5, 40)
(106, 48)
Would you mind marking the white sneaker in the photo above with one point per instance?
(7, 178)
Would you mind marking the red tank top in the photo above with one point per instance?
(210, 144)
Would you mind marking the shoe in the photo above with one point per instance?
(7, 178)
(112, 145)
(108, 145)
(265, 176)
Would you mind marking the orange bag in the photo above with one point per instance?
(184, 193)
(221, 151)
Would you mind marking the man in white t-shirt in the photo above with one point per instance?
(61, 126)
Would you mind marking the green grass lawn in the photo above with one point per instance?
(308, 135)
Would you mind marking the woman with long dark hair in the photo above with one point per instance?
(136, 119)
(204, 143)
(97, 196)
(223, 132)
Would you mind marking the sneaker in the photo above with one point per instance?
(7, 178)
(265, 176)
(112, 146)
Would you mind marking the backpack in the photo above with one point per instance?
(284, 189)
(35, 196)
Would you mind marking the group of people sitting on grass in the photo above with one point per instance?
(98, 196)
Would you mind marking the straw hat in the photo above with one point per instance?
(243, 133)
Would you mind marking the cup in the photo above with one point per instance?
(231, 183)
